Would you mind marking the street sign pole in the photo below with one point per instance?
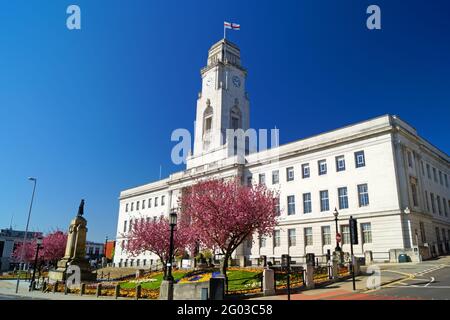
(353, 240)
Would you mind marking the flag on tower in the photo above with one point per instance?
(230, 25)
(233, 26)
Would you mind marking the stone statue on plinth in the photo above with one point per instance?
(75, 254)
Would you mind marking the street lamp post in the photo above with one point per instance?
(336, 214)
(38, 245)
(173, 223)
(26, 233)
(104, 252)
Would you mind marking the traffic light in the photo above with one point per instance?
(353, 230)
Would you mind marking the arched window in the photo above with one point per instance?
(207, 120)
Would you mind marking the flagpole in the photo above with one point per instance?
(224, 31)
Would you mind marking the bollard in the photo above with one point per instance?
(268, 281)
(82, 289)
(98, 291)
(66, 288)
(138, 292)
(309, 276)
(117, 291)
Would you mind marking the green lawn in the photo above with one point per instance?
(243, 279)
(237, 280)
(152, 284)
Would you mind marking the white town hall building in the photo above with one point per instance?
(380, 171)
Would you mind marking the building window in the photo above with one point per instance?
(132, 206)
(343, 198)
(276, 238)
(427, 201)
(446, 180)
(422, 167)
(363, 195)
(291, 205)
(125, 226)
(308, 236)
(130, 226)
(340, 163)
(326, 235)
(422, 232)
(277, 206)
(360, 160)
(249, 181)
(366, 232)
(414, 194)
(262, 242)
(324, 201)
(275, 177)
(305, 171)
(433, 206)
(137, 205)
(438, 200)
(262, 178)
(444, 203)
(441, 181)
(428, 171)
(143, 204)
(147, 219)
(163, 200)
(307, 206)
(150, 202)
(438, 234)
(322, 167)
(156, 201)
(292, 239)
(345, 229)
(290, 174)
(435, 175)
(409, 156)
(126, 207)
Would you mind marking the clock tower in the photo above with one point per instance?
(222, 103)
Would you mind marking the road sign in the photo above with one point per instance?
(338, 237)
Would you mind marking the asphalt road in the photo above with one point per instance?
(431, 285)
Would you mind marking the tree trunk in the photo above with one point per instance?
(165, 271)
(223, 270)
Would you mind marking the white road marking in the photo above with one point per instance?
(432, 280)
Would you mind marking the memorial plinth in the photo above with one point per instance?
(74, 258)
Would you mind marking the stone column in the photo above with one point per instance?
(268, 280)
(368, 257)
(242, 261)
(309, 281)
(166, 290)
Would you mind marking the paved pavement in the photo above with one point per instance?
(405, 281)
(426, 280)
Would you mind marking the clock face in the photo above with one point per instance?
(236, 81)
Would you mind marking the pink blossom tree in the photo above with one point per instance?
(223, 214)
(52, 248)
(28, 254)
(154, 236)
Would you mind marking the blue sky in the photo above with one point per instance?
(90, 112)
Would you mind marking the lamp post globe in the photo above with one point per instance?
(172, 222)
(33, 279)
(336, 214)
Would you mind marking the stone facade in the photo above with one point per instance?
(376, 171)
